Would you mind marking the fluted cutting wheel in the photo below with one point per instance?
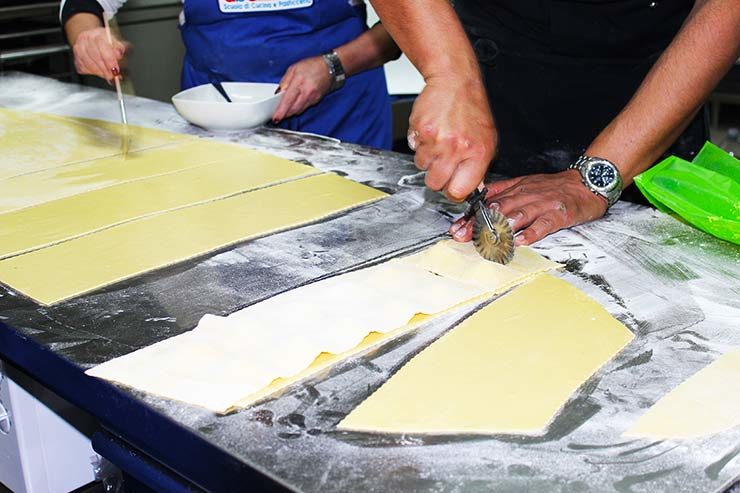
(498, 247)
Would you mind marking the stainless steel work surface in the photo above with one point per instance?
(676, 288)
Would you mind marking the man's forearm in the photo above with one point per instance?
(369, 50)
(430, 34)
(451, 126)
(674, 89)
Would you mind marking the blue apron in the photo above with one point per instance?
(259, 46)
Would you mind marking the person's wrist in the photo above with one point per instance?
(459, 65)
(454, 80)
(600, 176)
(592, 201)
(337, 75)
(80, 23)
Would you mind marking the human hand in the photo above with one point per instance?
(304, 84)
(452, 131)
(538, 205)
(95, 55)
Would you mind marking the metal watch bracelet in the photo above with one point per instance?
(610, 192)
(336, 70)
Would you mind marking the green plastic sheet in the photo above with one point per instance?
(704, 192)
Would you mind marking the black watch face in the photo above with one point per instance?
(601, 175)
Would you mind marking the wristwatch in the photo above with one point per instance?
(336, 71)
(600, 176)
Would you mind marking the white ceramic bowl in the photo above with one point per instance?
(253, 104)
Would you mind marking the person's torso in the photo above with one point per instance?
(596, 29)
(558, 71)
(257, 40)
(260, 39)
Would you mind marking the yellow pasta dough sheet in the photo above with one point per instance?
(96, 174)
(234, 361)
(86, 263)
(507, 369)
(705, 404)
(34, 142)
(52, 222)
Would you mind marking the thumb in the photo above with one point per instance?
(466, 178)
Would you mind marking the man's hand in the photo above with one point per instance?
(95, 55)
(538, 205)
(304, 84)
(451, 125)
(452, 131)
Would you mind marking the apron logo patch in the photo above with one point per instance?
(240, 6)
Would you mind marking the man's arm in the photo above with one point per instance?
(674, 90)
(369, 50)
(666, 101)
(451, 123)
(306, 82)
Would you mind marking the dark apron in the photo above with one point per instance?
(557, 72)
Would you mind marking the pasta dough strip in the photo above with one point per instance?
(706, 403)
(33, 142)
(509, 368)
(58, 183)
(59, 220)
(90, 262)
(234, 361)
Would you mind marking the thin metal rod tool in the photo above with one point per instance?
(117, 80)
(485, 212)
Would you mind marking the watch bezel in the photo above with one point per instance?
(610, 192)
(601, 162)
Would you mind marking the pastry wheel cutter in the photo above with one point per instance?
(492, 234)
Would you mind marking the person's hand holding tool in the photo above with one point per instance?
(94, 54)
(452, 131)
(538, 205)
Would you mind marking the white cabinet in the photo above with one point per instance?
(44, 447)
